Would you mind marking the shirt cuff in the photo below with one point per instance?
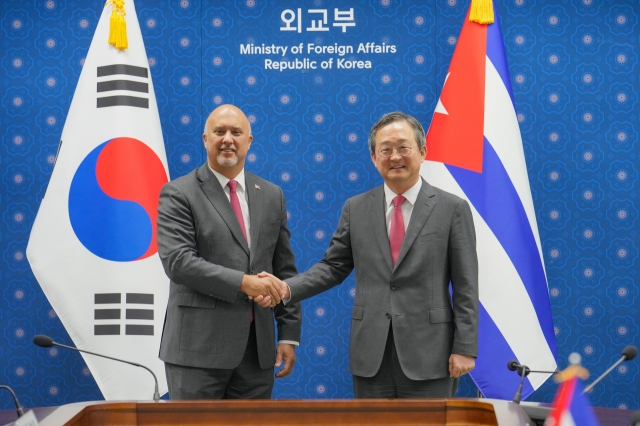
(289, 342)
(285, 301)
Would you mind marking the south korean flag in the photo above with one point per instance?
(93, 245)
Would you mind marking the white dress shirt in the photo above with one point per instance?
(407, 207)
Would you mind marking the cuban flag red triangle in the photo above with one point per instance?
(456, 135)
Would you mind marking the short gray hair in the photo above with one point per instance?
(392, 117)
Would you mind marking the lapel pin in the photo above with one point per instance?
(257, 187)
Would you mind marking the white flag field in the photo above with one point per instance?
(93, 245)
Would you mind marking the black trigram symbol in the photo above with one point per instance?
(120, 80)
(133, 316)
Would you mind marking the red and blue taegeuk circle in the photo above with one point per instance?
(113, 200)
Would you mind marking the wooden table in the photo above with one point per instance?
(453, 411)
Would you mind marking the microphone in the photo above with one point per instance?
(523, 371)
(19, 409)
(635, 419)
(513, 365)
(628, 354)
(46, 342)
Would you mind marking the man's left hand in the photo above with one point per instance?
(460, 364)
(286, 353)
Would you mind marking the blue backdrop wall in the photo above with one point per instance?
(574, 68)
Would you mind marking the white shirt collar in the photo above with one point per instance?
(410, 194)
(224, 180)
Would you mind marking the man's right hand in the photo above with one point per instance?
(266, 286)
(284, 288)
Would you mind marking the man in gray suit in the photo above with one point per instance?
(407, 240)
(217, 227)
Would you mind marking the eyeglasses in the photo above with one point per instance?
(387, 151)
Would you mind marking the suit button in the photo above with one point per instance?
(393, 287)
(388, 315)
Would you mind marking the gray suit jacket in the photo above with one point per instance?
(205, 255)
(439, 247)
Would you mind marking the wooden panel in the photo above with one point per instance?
(295, 412)
(335, 412)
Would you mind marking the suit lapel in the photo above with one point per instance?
(379, 223)
(421, 211)
(256, 204)
(218, 199)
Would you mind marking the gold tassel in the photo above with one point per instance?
(481, 11)
(118, 26)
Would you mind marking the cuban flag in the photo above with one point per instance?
(93, 245)
(571, 407)
(475, 151)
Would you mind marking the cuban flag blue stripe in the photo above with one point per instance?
(497, 54)
(499, 351)
(496, 200)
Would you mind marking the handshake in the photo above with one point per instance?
(264, 289)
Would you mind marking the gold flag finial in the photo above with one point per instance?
(570, 372)
(481, 11)
(118, 26)
(574, 369)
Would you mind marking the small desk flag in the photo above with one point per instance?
(571, 407)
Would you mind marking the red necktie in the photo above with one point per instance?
(235, 205)
(396, 234)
